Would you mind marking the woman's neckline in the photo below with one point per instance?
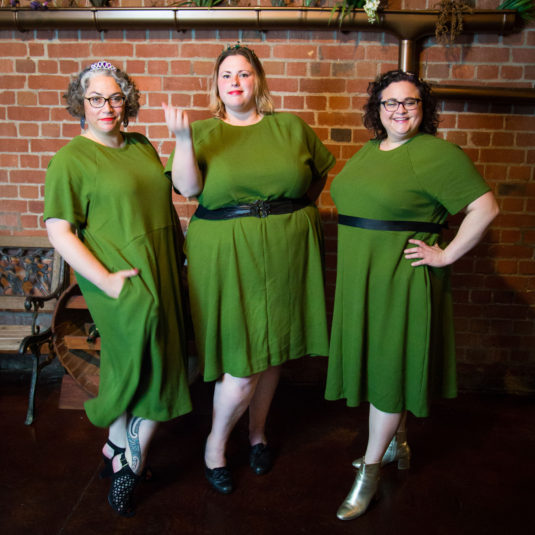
(244, 125)
(98, 142)
(397, 146)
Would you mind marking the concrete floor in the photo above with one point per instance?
(472, 471)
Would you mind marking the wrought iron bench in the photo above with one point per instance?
(32, 277)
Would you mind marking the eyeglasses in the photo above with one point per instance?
(409, 104)
(116, 101)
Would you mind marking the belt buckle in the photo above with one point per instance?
(260, 208)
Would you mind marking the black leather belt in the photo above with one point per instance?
(380, 224)
(255, 209)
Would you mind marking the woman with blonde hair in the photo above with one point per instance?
(254, 248)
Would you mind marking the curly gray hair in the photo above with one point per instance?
(78, 86)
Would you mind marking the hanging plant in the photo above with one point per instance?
(346, 6)
(450, 20)
(525, 8)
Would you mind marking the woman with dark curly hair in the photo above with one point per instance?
(392, 336)
(109, 213)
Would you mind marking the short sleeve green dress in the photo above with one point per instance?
(256, 285)
(392, 340)
(119, 201)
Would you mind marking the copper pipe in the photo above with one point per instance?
(499, 94)
(407, 59)
(404, 24)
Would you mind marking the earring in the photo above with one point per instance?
(82, 123)
(125, 122)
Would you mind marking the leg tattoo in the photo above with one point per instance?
(132, 434)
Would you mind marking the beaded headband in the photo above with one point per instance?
(103, 65)
(237, 46)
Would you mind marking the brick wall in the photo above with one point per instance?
(321, 76)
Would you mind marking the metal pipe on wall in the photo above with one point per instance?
(403, 24)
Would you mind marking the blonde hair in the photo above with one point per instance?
(263, 100)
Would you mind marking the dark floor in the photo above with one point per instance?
(472, 473)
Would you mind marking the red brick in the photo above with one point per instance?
(512, 205)
(187, 83)
(9, 220)
(77, 50)
(507, 267)
(339, 103)
(46, 145)
(286, 85)
(511, 72)
(39, 82)
(526, 267)
(463, 72)
(487, 72)
(480, 122)
(15, 146)
(8, 191)
(293, 102)
(29, 192)
(29, 160)
(47, 66)
(28, 113)
(305, 51)
(486, 54)
(503, 155)
(342, 52)
(29, 222)
(110, 50)
(8, 130)
(7, 97)
(321, 86)
(522, 55)
(12, 81)
(27, 176)
(12, 49)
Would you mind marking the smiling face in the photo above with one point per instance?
(236, 84)
(105, 121)
(402, 124)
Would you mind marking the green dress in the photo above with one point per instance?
(256, 285)
(119, 200)
(392, 340)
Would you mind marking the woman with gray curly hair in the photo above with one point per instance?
(109, 213)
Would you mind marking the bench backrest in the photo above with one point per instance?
(29, 265)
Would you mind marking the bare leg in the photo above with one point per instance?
(128, 466)
(139, 433)
(116, 435)
(232, 396)
(260, 404)
(382, 427)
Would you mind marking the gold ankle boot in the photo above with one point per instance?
(398, 450)
(362, 492)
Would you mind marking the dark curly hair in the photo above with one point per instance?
(78, 86)
(264, 102)
(372, 119)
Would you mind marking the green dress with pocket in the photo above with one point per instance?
(256, 285)
(119, 201)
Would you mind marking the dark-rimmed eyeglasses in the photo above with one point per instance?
(115, 101)
(409, 104)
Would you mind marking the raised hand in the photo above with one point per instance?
(177, 121)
